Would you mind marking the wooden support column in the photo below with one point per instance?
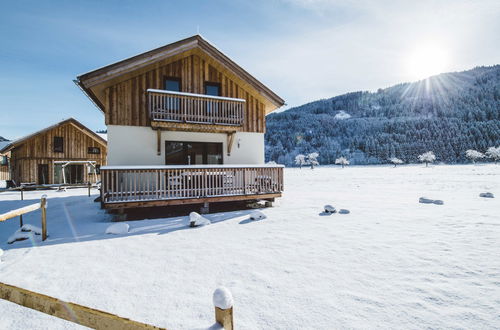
(230, 141)
(158, 142)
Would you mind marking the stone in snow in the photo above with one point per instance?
(257, 215)
(196, 220)
(329, 209)
(425, 200)
(438, 202)
(344, 211)
(487, 195)
(223, 298)
(118, 228)
(30, 228)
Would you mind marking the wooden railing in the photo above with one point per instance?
(195, 108)
(141, 183)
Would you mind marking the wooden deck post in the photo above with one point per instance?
(223, 303)
(21, 216)
(89, 185)
(43, 206)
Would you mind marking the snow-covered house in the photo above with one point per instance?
(66, 152)
(185, 124)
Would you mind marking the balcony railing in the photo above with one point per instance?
(195, 108)
(123, 184)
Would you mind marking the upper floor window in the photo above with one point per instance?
(172, 84)
(94, 150)
(4, 160)
(58, 144)
(212, 89)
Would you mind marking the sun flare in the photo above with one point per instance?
(427, 60)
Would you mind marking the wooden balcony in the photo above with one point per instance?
(147, 186)
(168, 108)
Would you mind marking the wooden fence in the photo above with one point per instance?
(30, 208)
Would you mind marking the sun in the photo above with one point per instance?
(427, 60)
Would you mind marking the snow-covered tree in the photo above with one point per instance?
(300, 160)
(474, 155)
(342, 161)
(427, 157)
(312, 159)
(396, 161)
(493, 153)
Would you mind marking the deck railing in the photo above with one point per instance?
(195, 108)
(141, 183)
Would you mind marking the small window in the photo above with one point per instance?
(212, 89)
(4, 160)
(94, 150)
(58, 144)
(172, 84)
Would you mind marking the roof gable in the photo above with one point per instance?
(89, 81)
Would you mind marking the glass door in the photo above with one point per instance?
(193, 153)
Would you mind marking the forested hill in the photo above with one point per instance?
(447, 114)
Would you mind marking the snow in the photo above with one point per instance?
(19, 235)
(118, 228)
(257, 215)
(391, 263)
(168, 167)
(196, 220)
(341, 115)
(30, 228)
(223, 298)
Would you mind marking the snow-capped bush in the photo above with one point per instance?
(396, 161)
(427, 157)
(300, 160)
(196, 220)
(342, 115)
(118, 228)
(223, 298)
(257, 215)
(493, 153)
(312, 159)
(474, 155)
(341, 161)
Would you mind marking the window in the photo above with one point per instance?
(4, 160)
(172, 84)
(212, 89)
(192, 153)
(94, 150)
(58, 144)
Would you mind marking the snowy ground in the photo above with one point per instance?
(391, 263)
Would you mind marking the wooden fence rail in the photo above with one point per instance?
(30, 208)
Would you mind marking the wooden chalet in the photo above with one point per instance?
(4, 163)
(185, 125)
(67, 152)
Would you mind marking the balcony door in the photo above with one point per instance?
(212, 89)
(172, 84)
(193, 153)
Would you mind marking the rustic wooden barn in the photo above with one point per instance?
(67, 152)
(4, 162)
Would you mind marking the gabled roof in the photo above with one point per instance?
(98, 76)
(72, 121)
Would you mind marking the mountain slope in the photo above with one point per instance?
(448, 114)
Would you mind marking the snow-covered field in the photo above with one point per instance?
(391, 263)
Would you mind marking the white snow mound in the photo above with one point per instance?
(1, 252)
(342, 115)
(329, 209)
(20, 236)
(223, 298)
(118, 228)
(196, 220)
(487, 195)
(30, 228)
(257, 215)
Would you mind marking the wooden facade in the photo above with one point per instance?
(36, 153)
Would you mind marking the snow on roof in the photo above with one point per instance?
(167, 167)
(103, 136)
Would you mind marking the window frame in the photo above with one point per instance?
(178, 79)
(55, 146)
(212, 83)
(90, 152)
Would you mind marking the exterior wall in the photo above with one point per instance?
(4, 172)
(39, 150)
(126, 100)
(133, 145)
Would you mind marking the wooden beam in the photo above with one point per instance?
(20, 211)
(230, 141)
(153, 203)
(75, 313)
(187, 127)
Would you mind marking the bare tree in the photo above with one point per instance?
(493, 153)
(427, 157)
(396, 161)
(312, 159)
(342, 161)
(300, 160)
(474, 155)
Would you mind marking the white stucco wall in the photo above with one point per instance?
(134, 145)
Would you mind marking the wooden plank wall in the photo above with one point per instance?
(4, 172)
(39, 150)
(126, 101)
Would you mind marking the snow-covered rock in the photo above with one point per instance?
(344, 211)
(20, 236)
(30, 228)
(118, 228)
(438, 202)
(329, 209)
(487, 195)
(223, 298)
(425, 200)
(257, 215)
(196, 220)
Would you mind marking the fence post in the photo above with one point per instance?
(223, 302)
(21, 216)
(43, 206)
(89, 185)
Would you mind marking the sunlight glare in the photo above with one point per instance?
(427, 60)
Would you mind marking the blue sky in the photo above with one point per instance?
(302, 49)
